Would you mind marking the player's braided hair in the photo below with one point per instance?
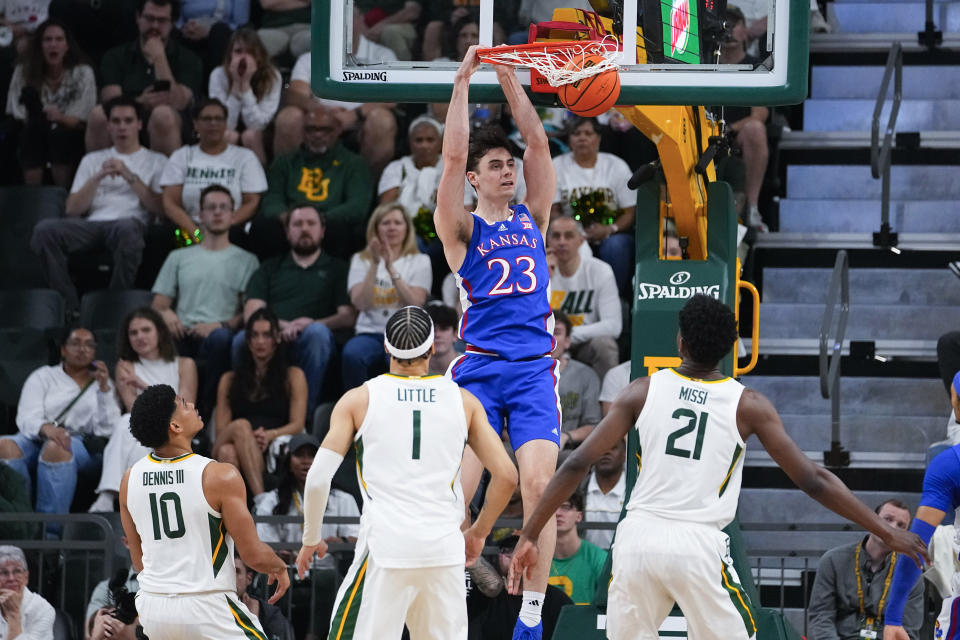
(409, 328)
(151, 413)
(708, 328)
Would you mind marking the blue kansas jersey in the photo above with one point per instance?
(505, 288)
(941, 482)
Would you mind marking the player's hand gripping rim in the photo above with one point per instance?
(282, 578)
(305, 557)
(524, 557)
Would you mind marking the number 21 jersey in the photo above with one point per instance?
(186, 547)
(691, 452)
(505, 288)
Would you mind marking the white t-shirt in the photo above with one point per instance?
(589, 298)
(414, 269)
(256, 114)
(610, 174)
(25, 13)
(114, 198)
(418, 187)
(237, 169)
(368, 52)
(615, 381)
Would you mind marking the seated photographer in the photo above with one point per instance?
(65, 413)
(51, 94)
(112, 612)
(274, 623)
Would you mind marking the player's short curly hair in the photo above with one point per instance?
(482, 141)
(151, 413)
(708, 328)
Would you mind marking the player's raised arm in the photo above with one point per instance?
(223, 486)
(760, 417)
(503, 474)
(453, 224)
(347, 415)
(538, 172)
(612, 428)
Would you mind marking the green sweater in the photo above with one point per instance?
(14, 498)
(337, 182)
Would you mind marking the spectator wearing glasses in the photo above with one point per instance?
(157, 71)
(63, 410)
(23, 613)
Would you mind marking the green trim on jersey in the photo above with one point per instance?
(733, 463)
(700, 379)
(249, 627)
(739, 598)
(358, 445)
(344, 623)
(432, 376)
(152, 457)
(218, 543)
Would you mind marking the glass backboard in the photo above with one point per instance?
(671, 51)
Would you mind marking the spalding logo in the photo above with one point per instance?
(680, 277)
(679, 26)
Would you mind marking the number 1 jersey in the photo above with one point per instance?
(691, 452)
(186, 547)
(505, 288)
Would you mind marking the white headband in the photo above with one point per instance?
(410, 354)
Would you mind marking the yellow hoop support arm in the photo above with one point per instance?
(755, 329)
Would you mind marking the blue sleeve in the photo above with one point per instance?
(941, 482)
(905, 576)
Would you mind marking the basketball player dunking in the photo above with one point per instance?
(692, 423)
(409, 429)
(181, 514)
(498, 257)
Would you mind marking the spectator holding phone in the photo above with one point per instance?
(65, 413)
(159, 72)
(51, 94)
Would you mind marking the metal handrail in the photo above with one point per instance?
(830, 353)
(880, 153)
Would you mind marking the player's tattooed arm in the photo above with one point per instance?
(487, 579)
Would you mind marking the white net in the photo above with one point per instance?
(550, 59)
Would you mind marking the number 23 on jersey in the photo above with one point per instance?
(525, 280)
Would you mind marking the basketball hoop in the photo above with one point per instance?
(551, 59)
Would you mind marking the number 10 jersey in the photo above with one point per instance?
(186, 547)
(691, 453)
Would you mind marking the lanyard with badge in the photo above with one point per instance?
(869, 625)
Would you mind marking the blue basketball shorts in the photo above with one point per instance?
(519, 395)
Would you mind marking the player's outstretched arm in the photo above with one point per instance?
(224, 489)
(538, 172)
(346, 417)
(503, 474)
(454, 225)
(760, 417)
(623, 413)
(130, 529)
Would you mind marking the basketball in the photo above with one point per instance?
(593, 95)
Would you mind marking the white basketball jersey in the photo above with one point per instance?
(409, 452)
(691, 453)
(186, 547)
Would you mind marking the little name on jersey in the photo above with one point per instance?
(416, 394)
(506, 240)
(696, 396)
(156, 478)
